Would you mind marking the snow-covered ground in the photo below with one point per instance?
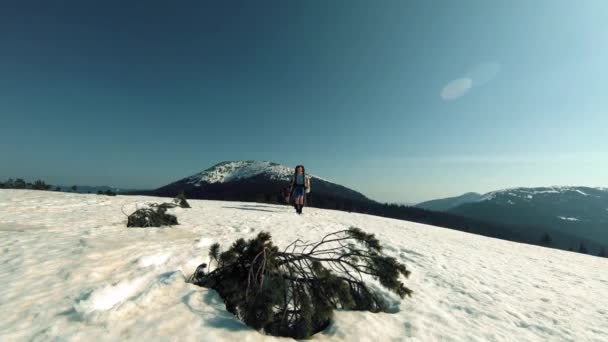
(71, 270)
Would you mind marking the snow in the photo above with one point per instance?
(71, 270)
(529, 193)
(234, 170)
(229, 171)
(550, 191)
(153, 260)
(568, 218)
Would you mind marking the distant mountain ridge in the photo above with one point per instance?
(574, 210)
(445, 204)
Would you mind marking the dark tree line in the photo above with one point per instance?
(20, 183)
(547, 241)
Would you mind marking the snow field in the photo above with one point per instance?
(71, 270)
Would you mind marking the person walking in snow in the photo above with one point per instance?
(299, 184)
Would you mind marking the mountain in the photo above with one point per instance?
(259, 181)
(262, 181)
(577, 211)
(71, 270)
(445, 204)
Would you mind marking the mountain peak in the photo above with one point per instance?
(228, 171)
(529, 193)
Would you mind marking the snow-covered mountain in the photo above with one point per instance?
(236, 170)
(546, 192)
(71, 271)
(253, 181)
(574, 210)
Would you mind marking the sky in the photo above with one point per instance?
(404, 101)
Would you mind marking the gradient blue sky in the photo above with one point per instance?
(402, 100)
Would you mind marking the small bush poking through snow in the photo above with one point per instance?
(155, 216)
(180, 200)
(293, 293)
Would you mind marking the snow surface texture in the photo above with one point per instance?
(71, 270)
(234, 170)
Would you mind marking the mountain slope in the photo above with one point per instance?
(578, 211)
(445, 204)
(262, 181)
(259, 181)
(98, 280)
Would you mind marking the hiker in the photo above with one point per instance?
(299, 184)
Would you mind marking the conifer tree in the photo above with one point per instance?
(19, 184)
(40, 185)
(9, 184)
(293, 292)
(546, 240)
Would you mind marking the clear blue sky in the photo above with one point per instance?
(402, 100)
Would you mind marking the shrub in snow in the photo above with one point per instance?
(582, 248)
(546, 240)
(40, 185)
(180, 200)
(154, 216)
(293, 292)
(19, 184)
